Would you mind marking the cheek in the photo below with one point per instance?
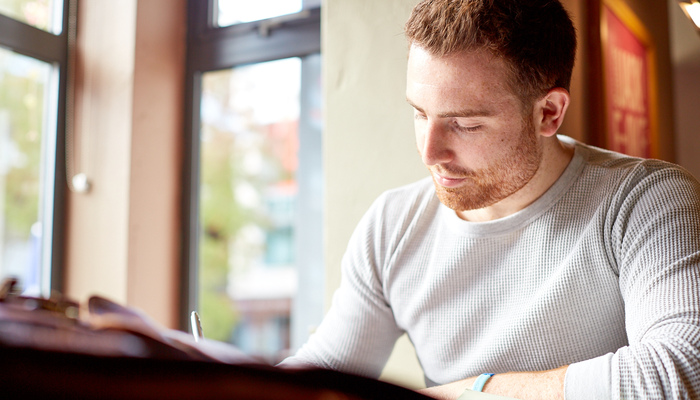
(479, 151)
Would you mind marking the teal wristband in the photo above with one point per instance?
(480, 381)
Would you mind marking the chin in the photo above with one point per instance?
(464, 198)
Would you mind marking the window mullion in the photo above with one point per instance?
(251, 47)
(33, 42)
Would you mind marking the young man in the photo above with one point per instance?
(565, 270)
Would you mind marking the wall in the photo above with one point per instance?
(685, 55)
(97, 222)
(153, 280)
(576, 123)
(654, 16)
(123, 236)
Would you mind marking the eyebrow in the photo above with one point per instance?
(467, 113)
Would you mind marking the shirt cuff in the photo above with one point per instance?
(590, 379)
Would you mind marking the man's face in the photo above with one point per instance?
(470, 129)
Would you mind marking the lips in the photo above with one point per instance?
(448, 182)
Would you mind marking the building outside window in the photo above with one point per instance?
(33, 72)
(254, 255)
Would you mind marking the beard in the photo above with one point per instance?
(500, 179)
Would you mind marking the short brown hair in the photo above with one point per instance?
(535, 37)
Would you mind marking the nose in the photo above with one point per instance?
(433, 143)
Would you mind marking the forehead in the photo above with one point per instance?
(457, 80)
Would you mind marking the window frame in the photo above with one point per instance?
(211, 48)
(53, 49)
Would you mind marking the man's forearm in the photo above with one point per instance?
(540, 385)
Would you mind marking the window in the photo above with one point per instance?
(42, 14)
(253, 200)
(33, 69)
(232, 12)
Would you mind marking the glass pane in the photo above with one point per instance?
(249, 202)
(42, 14)
(25, 90)
(231, 12)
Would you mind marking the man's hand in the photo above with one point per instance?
(540, 385)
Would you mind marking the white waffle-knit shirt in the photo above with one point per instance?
(602, 272)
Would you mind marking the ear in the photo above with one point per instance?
(550, 111)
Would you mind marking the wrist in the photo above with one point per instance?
(471, 386)
(481, 381)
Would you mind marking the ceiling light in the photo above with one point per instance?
(692, 10)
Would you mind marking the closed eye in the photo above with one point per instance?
(470, 128)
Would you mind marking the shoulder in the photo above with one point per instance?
(399, 210)
(407, 199)
(637, 191)
(419, 189)
(395, 216)
(627, 172)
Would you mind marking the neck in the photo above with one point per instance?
(555, 158)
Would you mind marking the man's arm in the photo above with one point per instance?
(358, 333)
(542, 385)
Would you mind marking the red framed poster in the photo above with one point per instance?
(629, 82)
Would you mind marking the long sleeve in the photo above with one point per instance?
(654, 241)
(358, 333)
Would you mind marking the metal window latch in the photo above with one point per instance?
(269, 24)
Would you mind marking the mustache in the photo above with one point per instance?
(452, 172)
